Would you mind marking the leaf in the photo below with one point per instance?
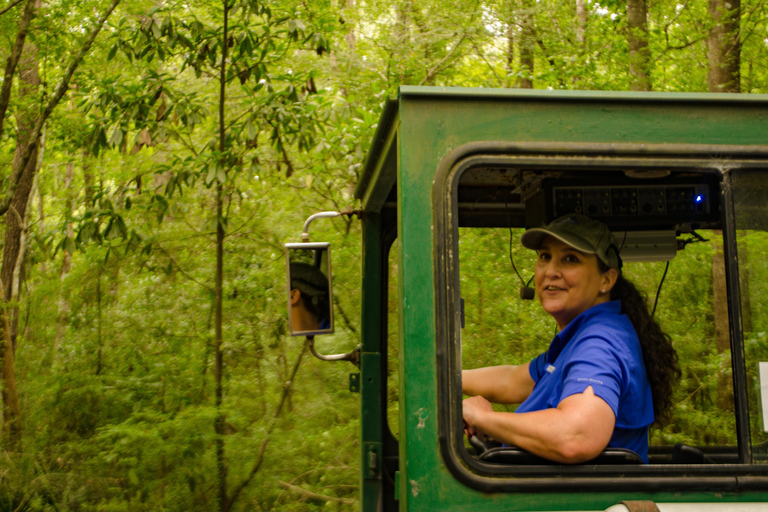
(221, 175)
(121, 227)
(156, 29)
(108, 233)
(112, 52)
(145, 137)
(69, 244)
(250, 129)
(117, 136)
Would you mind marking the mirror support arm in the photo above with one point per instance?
(324, 215)
(353, 357)
(319, 215)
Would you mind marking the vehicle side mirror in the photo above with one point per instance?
(310, 294)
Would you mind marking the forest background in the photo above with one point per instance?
(156, 156)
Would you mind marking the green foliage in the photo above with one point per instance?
(115, 357)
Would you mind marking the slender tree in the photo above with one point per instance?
(527, 44)
(724, 47)
(639, 51)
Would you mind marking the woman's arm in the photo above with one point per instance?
(576, 431)
(500, 384)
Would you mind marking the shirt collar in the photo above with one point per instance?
(563, 337)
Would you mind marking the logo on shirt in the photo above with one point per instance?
(586, 379)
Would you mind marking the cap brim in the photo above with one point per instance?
(533, 238)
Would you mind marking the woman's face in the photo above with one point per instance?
(568, 281)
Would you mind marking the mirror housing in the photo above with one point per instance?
(310, 293)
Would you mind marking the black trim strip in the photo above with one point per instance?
(494, 478)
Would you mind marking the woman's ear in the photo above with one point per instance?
(295, 296)
(609, 279)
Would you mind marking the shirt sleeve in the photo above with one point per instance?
(536, 367)
(598, 362)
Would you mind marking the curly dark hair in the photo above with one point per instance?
(660, 357)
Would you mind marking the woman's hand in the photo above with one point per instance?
(473, 409)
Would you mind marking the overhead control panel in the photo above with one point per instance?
(673, 202)
(641, 201)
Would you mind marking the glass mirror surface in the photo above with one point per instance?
(310, 295)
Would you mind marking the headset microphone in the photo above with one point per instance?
(527, 293)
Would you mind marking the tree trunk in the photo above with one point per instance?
(639, 53)
(744, 279)
(221, 462)
(38, 190)
(527, 45)
(720, 295)
(509, 16)
(99, 363)
(403, 35)
(722, 324)
(723, 53)
(13, 245)
(66, 264)
(581, 24)
(219, 356)
(581, 39)
(88, 178)
(723, 47)
(15, 57)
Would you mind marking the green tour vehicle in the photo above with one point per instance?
(452, 178)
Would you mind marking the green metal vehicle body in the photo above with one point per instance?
(431, 142)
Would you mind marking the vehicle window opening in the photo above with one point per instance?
(501, 329)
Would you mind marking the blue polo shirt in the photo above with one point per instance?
(599, 348)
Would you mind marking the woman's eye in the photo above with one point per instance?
(543, 256)
(571, 258)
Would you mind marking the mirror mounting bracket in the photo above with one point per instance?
(324, 215)
(353, 356)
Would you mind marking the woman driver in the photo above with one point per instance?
(606, 376)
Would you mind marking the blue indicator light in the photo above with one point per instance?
(699, 199)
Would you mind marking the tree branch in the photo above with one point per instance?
(180, 269)
(13, 4)
(314, 496)
(344, 315)
(482, 56)
(58, 94)
(438, 67)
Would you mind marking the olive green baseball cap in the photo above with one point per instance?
(308, 279)
(580, 232)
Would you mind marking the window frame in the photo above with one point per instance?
(593, 157)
